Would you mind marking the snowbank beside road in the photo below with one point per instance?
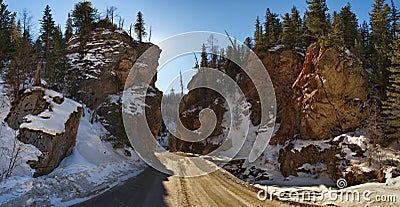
(93, 167)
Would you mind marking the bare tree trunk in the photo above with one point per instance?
(37, 81)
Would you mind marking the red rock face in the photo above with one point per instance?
(329, 96)
(332, 95)
(283, 68)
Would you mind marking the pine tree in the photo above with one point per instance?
(268, 33)
(336, 34)
(258, 34)
(22, 63)
(364, 34)
(289, 32)
(84, 17)
(363, 45)
(391, 106)
(272, 27)
(15, 28)
(69, 31)
(204, 57)
(5, 33)
(248, 42)
(47, 32)
(47, 29)
(26, 20)
(60, 60)
(317, 21)
(277, 27)
(19, 51)
(380, 39)
(307, 35)
(394, 17)
(212, 43)
(348, 26)
(12, 74)
(297, 24)
(292, 29)
(139, 27)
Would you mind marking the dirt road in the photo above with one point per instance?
(153, 188)
(215, 189)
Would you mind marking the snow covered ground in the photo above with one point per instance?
(368, 194)
(8, 143)
(93, 167)
(319, 188)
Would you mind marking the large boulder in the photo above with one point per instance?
(48, 121)
(341, 157)
(292, 158)
(98, 69)
(330, 96)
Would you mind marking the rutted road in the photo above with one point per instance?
(153, 188)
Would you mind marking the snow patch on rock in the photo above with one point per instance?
(51, 121)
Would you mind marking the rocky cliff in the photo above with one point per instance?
(330, 96)
(98, 69)
(99, 65)
(283, 66)
(320, 95)
(189, 115)
(48, 121)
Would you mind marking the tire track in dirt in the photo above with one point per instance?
(153, 188)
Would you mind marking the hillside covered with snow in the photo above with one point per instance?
(93, 166)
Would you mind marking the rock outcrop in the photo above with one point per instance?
(291, 160)
(329, 99)
(99, 65)
(283, 66)
(338, 158)
(329, 95)
(48, 121)
(98, 70)
(189, 116)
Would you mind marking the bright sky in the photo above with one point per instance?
(172, 17)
